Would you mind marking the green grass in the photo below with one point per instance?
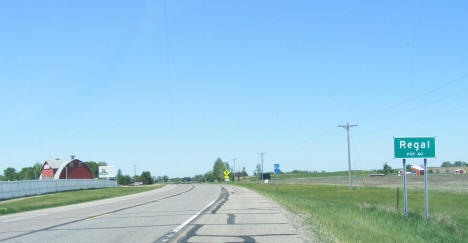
(308, 174)
(66, 198)
(370, 215)
(303, 174)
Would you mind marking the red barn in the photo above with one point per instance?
(65, 169)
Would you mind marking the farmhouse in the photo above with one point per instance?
(65, 169)
(460, 171)
(417, 170)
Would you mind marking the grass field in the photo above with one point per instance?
(369, 214)
(442, 182)
(306, 174)
(66, 198)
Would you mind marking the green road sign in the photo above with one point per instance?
(419, 147)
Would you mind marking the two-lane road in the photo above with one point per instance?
(183, 213)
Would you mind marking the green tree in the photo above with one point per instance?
(408, 167)
(446, 164)
(198, 178)
(9, 174)
(119, 177)
(458, 163)
(37, 170)
(387, 169)
(165, 178)
(146, 178)
(218, 170)
(258, 170)
(137, 178)
(208, 176)
(26, 173)
(244, 173)
(126, 180)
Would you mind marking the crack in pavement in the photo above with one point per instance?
(231, 218)
(192, 231)
(225, 196)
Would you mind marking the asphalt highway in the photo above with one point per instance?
(174, 213)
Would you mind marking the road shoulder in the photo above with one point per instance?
(243, 215)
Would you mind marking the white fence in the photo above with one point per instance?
(13, 189)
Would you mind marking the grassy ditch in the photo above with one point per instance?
(370, 215)
(66, 198)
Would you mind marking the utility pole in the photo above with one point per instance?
(134, 177)
(261, 155)
(347, 127)
(234, 170)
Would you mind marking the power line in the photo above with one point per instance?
(390, 107)
(347, 127)
(423, 118)
(328, 132)
(393, 106)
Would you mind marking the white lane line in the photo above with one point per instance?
(193, 217)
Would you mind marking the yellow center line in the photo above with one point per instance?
(95, 217)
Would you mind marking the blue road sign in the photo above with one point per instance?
(277, 171)
(276, 166)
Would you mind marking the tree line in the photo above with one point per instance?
(454, 164)
(145, 178)
(217, 172)
(34, 172)
(26, 173)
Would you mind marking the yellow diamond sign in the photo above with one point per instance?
(226, 174)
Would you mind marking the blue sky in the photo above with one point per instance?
(171, 86)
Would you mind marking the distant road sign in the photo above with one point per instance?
(226, 174)
(416, 147)
(277, 171)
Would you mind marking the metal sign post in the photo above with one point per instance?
(426, 196)
(405, 196)
(276, 182)
(398, 198)
(277, 173)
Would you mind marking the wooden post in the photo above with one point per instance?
(398, 198)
